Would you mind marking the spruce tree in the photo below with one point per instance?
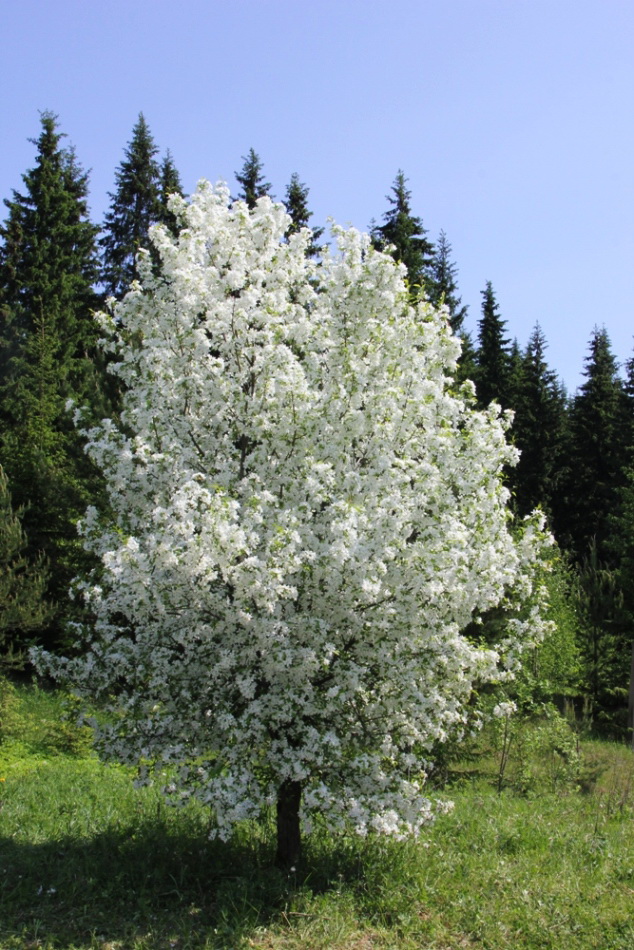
(538, 429)
(135, 204)
(169, 184)
(515, 373)
(405, 234)
(620, 546)
(626, 438)
(605, 640)
(493, 358)
(48, 267)
(442, 286)
(598, 512)
(596, 451)
(622, 549)
(251, 178)
(296, 202)
(467, 366)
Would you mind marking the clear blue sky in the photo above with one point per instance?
(512, 119)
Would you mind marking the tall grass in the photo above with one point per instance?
(87, 861)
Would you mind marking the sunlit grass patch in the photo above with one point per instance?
(87, 861)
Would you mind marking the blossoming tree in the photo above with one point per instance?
(305, 515)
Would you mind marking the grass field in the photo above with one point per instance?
(86, 861)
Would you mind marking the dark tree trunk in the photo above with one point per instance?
(289, 843)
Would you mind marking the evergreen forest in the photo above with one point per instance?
(58, 268)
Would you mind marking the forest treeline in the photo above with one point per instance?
(57, 267)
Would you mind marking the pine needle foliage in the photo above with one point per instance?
(493, 359)
(169, 184)
(596, 451)
(48, 269)
(251, 178)
(404, 235)
(538, 429)
(23, 583)
(135, 204)
(296, 204)
(442, 286)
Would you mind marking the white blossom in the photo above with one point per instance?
(305, 516)
(504, 710)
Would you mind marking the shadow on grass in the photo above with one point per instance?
(155, 888)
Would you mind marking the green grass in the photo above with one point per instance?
(87, 861)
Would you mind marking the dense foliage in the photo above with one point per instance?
(305, 516)
(252, 182)
(143, 187)
(48, 268)
(23, 607)
(403, 234)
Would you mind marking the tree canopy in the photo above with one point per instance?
(135, 204)
(251, 178)
(493, 359)
(296, 204)
(403, 233)
(48, 268)
(304, 517)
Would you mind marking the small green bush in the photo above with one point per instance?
(536, 753)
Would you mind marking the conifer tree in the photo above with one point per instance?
(538, 429)
(598, 521)
(605, 645)
(296, 203)
(493, 360)
(405, 233)
(48, 266)
(596, 451)
(515, 373)
(442, 286)
(622, 548)
(626, 437)
(467, 367)
(251, 178)
(169, 184)
(135, 204)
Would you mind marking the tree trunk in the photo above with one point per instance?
(289, 843)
